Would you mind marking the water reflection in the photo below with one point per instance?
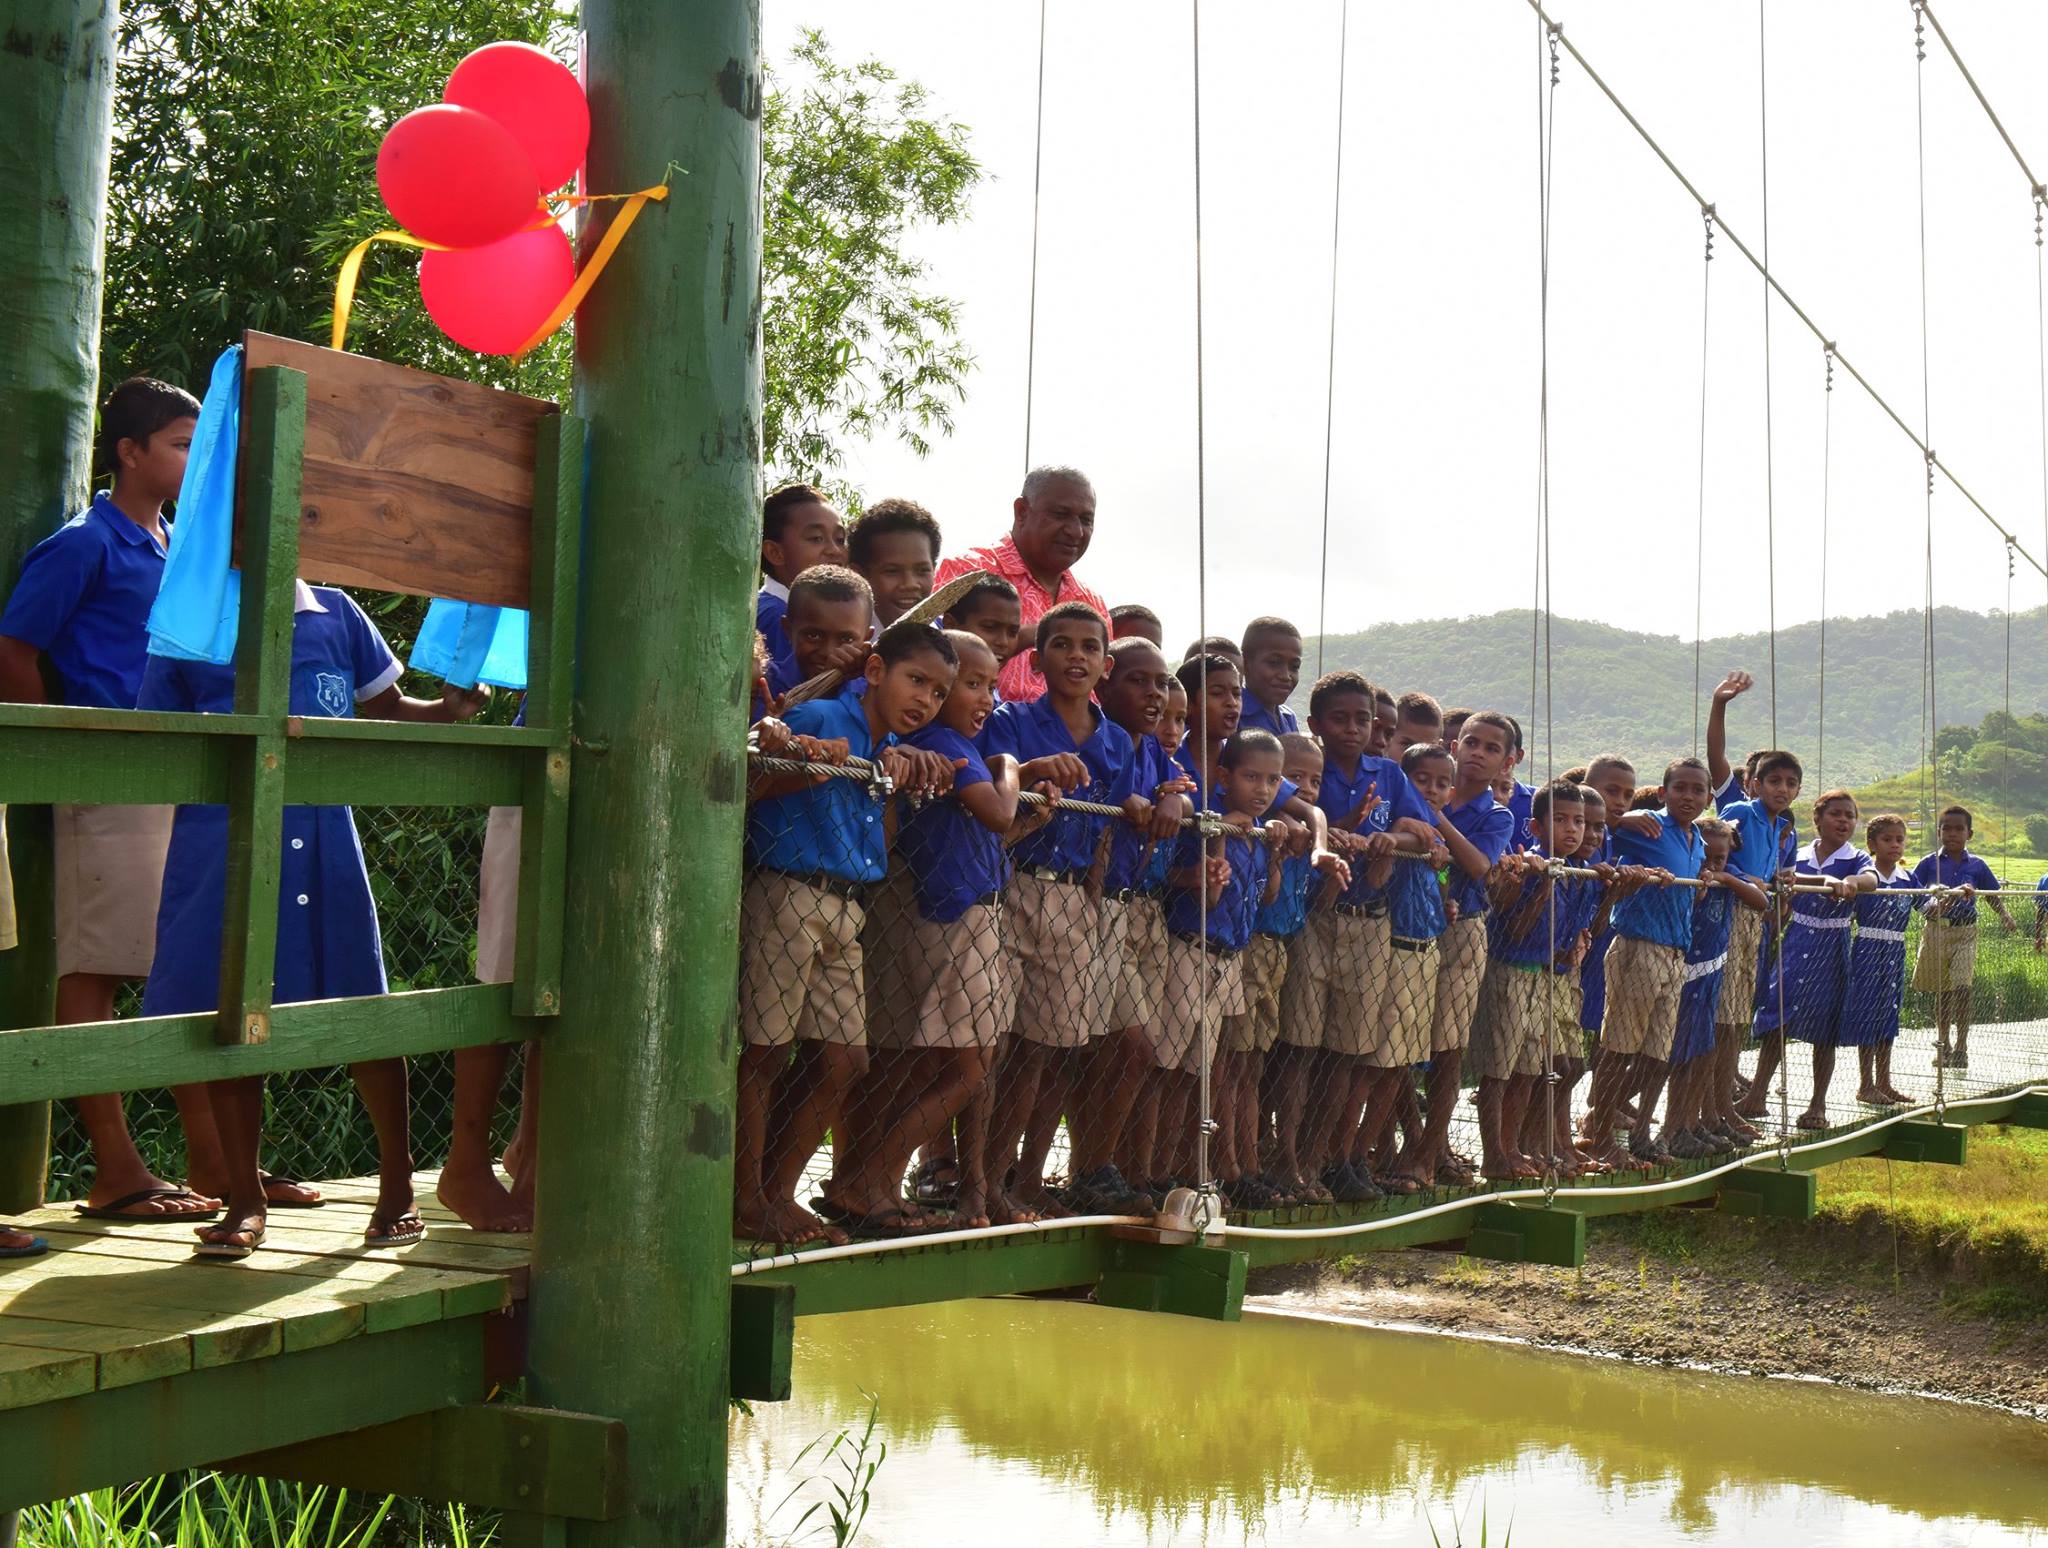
(1045, 1421)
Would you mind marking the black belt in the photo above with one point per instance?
(1401, 944)
(1047, 873)
(1362, 910)
(986, 900)
(1213, 948)
(839, 886)
(1126, 894)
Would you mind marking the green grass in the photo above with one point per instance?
(206, 1510)
(1995, 1207)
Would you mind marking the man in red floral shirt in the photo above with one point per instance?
(1050, 528)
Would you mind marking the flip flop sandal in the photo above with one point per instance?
(280, 1179)
(123, 1208)
(35, 1249)
(935, 1182)
(230, 1250)
(883, 1224)
(407, 1229)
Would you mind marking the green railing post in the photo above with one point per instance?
(630, 1299)
(56, 110)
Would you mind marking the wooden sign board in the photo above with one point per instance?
(413, 482)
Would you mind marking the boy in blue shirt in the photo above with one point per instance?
(1478, 831)
(991, 610)
(1531, 923)
(816, 845)
(894, 546)
(83, 601)
(1134, 620)
(1947, 964)
(827, 626)
(799, 529)
(1272, 668)
(1646, 963)
(1418, 718)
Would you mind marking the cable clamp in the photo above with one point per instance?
(879, 785)
(1210, 824)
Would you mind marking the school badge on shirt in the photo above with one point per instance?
(330, 691)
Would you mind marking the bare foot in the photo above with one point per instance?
(1007, 1211)
(1895, 1096)
(1752, 1107)
(1812, 1118)
(1869, 1096)
(481, 1200)
(970, 1212)
(751, 1219)
(154, 1199)
(793, 1225)
(514, 1161)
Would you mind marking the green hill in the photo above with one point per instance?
(1613, 690)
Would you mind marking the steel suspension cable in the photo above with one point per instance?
(1546, 140)
(1930, 716)
(1204, 1123)
(1827, 462)
(1783, 295)
(1763, 103)
(1330, 368)
(1037, 171)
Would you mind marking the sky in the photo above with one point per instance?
(1433, 409)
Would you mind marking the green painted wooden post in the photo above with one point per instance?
(630, 1295)
(273, 439)
(56, 109)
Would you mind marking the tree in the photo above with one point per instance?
(2037, 834)
(244, 167)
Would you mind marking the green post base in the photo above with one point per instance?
(2031, 1113)
(1770, 1193)
(1527, 1233)
(1935, 1142)
(1186, 1281)
(763, 1340)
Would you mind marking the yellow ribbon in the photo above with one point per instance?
(352, 265)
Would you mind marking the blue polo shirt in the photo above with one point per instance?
(2041, 897)
(954, 860)
(1489, 828)
(770, 604)
(1255, 716)
(1531, 948)
(1937, 870)
(1520, 803)
(1659, 915)
(1033, 729)
(1184, 763)
(1134, 860)
(1287, 914)
(1757, 854)
(832, 828)
(1230, 917)
(84, 598)
(1415, 901)
(1582, 902)
(1340, 795)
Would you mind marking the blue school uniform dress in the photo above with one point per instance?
(1256, 716)
(1713, 918)
(1812, 968)
(955, 861)
(327, 942)
(1064, 848)
(84, 598)
(829, 834)
(1877, 963)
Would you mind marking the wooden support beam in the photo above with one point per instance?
(193, 1420)
(1528, 1233)
(495, 1456)
(763, 1340)
(1188, 1281)
(1934, 1142)
(2030, 1112)
(1769, 1191)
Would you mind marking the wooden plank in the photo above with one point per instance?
(413, 482)
(125, 1354)
(40, 1062)
(113, 1437)
(215, 1338)
(333, 1231)
(30, 1376)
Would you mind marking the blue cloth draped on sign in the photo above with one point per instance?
(466, 643)
(199, 605)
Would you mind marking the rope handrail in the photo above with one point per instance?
(1933, 460)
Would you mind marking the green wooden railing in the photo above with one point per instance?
(261, 758)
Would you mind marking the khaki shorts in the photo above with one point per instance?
(1507, 1033)
(110, 877)
(1643, 983)
(1948, 957)
(1738, 978)
(1262, 970)
(1052, 928)
(497, 902)
(1460, 970)
(1568, 1041)
(1132, 954)
(1183, 1035)
(800, 964)
(1335, 983)
(936, 985)
(1407, 1006)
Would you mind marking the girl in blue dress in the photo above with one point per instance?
(327, 942)
(1802, 995)
(1691, 1127)
(1877, 963)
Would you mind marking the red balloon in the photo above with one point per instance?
(536, 97)
(491, 299)
(456, 177)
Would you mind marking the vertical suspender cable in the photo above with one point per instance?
(1699, 553)
(2041, 349)
(1330, 370)
(1546, 136)
(1037, 172)
(1763, 101)
(1827, 431)
(1929, 721)
(1204, 1123)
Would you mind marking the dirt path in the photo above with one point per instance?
(1728, 1295)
